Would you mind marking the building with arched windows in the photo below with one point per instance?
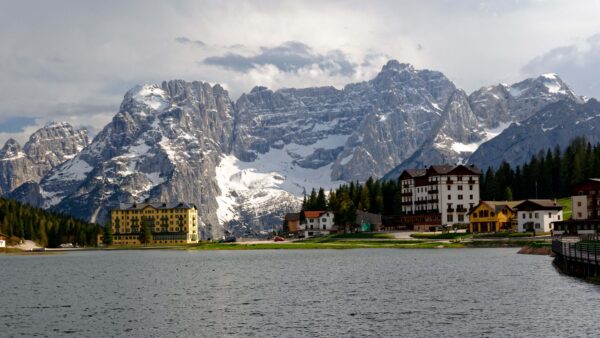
(168, 223)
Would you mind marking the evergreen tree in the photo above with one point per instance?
(145, 234)
(321, 201)
(508, 195)
(108, 234)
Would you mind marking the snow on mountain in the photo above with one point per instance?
(46, 148)
(245, 164)
(554, 125)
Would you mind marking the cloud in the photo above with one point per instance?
(577, 64)
(184, 40)
(289, 57)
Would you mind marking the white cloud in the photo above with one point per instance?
(76, 64)
(578, 64)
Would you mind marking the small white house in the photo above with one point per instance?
(317, 223)
(2, 243)
(538, 215)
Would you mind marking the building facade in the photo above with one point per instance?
(292, 223)
(318, 223)
(493, 216)
(169, 223)
(585, 219)
(538, 215)
(441, 195)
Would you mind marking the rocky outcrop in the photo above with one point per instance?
(555, 125)
(48, 147)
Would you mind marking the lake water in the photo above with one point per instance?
(283, 293)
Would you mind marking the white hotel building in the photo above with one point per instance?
(439, 195)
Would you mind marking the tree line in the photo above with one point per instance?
(20, 221)
(549, 174)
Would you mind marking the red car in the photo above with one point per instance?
(278, 239)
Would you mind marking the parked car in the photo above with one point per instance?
(229, 239)
(278, 239)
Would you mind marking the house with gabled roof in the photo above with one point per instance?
(493, 216)
(317, 223)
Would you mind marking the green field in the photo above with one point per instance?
(567, 207)
(446, 235)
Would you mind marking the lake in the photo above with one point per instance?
(286, 293)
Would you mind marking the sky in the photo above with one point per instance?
(74, 60)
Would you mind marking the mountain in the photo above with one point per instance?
(48, 147)
(470, 122)
(247, 162)
(554, 125)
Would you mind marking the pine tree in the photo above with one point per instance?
(108, 234)
(508, 195)
(321, 201)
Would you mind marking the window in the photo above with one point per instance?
(530, 215)
(579, 214)
(523, 215)
(449, 197)
(470, 187)
(449, 218)
(578, 204)
(558, 217)
(461, 218)
(460, 197)
(324, 227)
(537, 215)
(460, 187)
(537, 225)
(311, 220)
(470, 197)
(449, 187)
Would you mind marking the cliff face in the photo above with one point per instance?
(46, 148)
(245, 164)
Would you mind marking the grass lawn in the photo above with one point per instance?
(329, 245)
(567, 207)
(509, 234)
(447, 235)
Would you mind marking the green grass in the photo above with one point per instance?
(330, 245)
(567, 207)
(364, 235)
(503, 244)
(447, 235)
(506, 234)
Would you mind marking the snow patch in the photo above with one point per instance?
(151, 96)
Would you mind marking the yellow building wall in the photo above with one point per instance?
(178, 221)
(494, 223)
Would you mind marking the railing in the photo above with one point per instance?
(584, 248)
(431, 192)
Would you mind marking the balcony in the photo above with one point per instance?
(450, 210)
(431, 192)
(471, 181)
(461, 209)
(407, 194)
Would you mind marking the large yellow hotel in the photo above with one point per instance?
(170, 223)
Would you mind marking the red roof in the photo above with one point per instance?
(313, 214)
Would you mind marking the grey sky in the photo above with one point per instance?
(74, 60)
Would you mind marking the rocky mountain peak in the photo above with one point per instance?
(395, 66)
(55, 143)
(11, 149)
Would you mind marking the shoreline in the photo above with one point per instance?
(528, 246)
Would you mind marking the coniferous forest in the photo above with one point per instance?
(549, 174)
(20, 221)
